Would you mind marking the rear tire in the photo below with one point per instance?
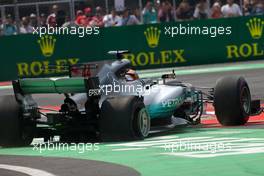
(13, 132)
(124, 118)
(232, 101)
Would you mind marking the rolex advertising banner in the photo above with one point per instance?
(151, 46)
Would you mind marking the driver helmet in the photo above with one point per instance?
(131, 75)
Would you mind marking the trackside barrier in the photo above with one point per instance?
(151, 46)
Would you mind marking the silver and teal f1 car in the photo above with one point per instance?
(115, 104)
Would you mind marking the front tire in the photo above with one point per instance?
(13, 130)
(124, 118)
(232, 101)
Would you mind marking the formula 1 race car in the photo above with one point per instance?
(115, 104)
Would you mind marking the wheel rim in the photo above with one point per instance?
(144, 122)
(245, 100)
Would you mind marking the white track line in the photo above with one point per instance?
(26, 170)
(128, 149)
(5, 87)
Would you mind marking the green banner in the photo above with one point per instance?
(151, 46)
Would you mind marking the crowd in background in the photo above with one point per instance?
(158, 12)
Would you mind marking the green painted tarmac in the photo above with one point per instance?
(187, 151)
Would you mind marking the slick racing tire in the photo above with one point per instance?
(232, 101)
(13, 130)
(124, 118)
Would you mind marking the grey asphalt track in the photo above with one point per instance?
(255, 79)
(65, 166)
(5, 172)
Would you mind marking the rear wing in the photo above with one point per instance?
(83, 70)
(58, 85)
(77, 70)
